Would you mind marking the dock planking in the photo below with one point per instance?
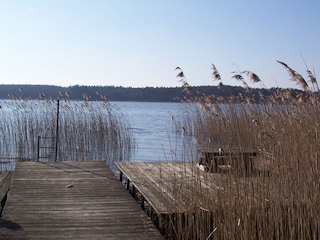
(71, 200)
(178, 187)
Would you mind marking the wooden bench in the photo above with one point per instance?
(220, 159)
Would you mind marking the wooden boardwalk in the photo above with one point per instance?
(71, 200)
(180, 187)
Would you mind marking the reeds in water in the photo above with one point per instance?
(87, 131)
(281, 200)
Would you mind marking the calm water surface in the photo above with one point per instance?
(155, 128)
(156, 131)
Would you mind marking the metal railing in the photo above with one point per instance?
(47, 148)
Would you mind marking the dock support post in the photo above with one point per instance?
(142, 202)
(38, 153)
(133, 191)
(128, 184)
(57, 131)
(121, 177)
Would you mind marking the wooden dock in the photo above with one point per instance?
(187, 203)
(166, 187)
(184, 201)
(71, 200)
(173, 187)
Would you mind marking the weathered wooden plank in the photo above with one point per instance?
(169, 187)
(172, 183)
(71, 200)
(145, 180)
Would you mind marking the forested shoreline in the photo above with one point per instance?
(146, 94)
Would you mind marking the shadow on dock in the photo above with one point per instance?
(9, 224)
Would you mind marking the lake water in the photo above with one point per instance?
(155, 128)
(157, 131)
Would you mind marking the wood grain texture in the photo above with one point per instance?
(71, 200)
(173, 187)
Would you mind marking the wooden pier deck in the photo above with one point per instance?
(71, 200)
(173, 187)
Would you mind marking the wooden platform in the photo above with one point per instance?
(180, 187)
(165, 186)
(71, 200)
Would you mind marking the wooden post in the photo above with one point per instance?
(128, 184)
(142, 202)
(121, 176)
(57, 131)
(133, 191)
(38, 148)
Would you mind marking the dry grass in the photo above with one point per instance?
(283, 204)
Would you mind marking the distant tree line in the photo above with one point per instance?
(147, 94)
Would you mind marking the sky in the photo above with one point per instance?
(139, 43)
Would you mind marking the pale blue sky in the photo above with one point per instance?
(139, 43)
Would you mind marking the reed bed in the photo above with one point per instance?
(87, 131)
(281, 199)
